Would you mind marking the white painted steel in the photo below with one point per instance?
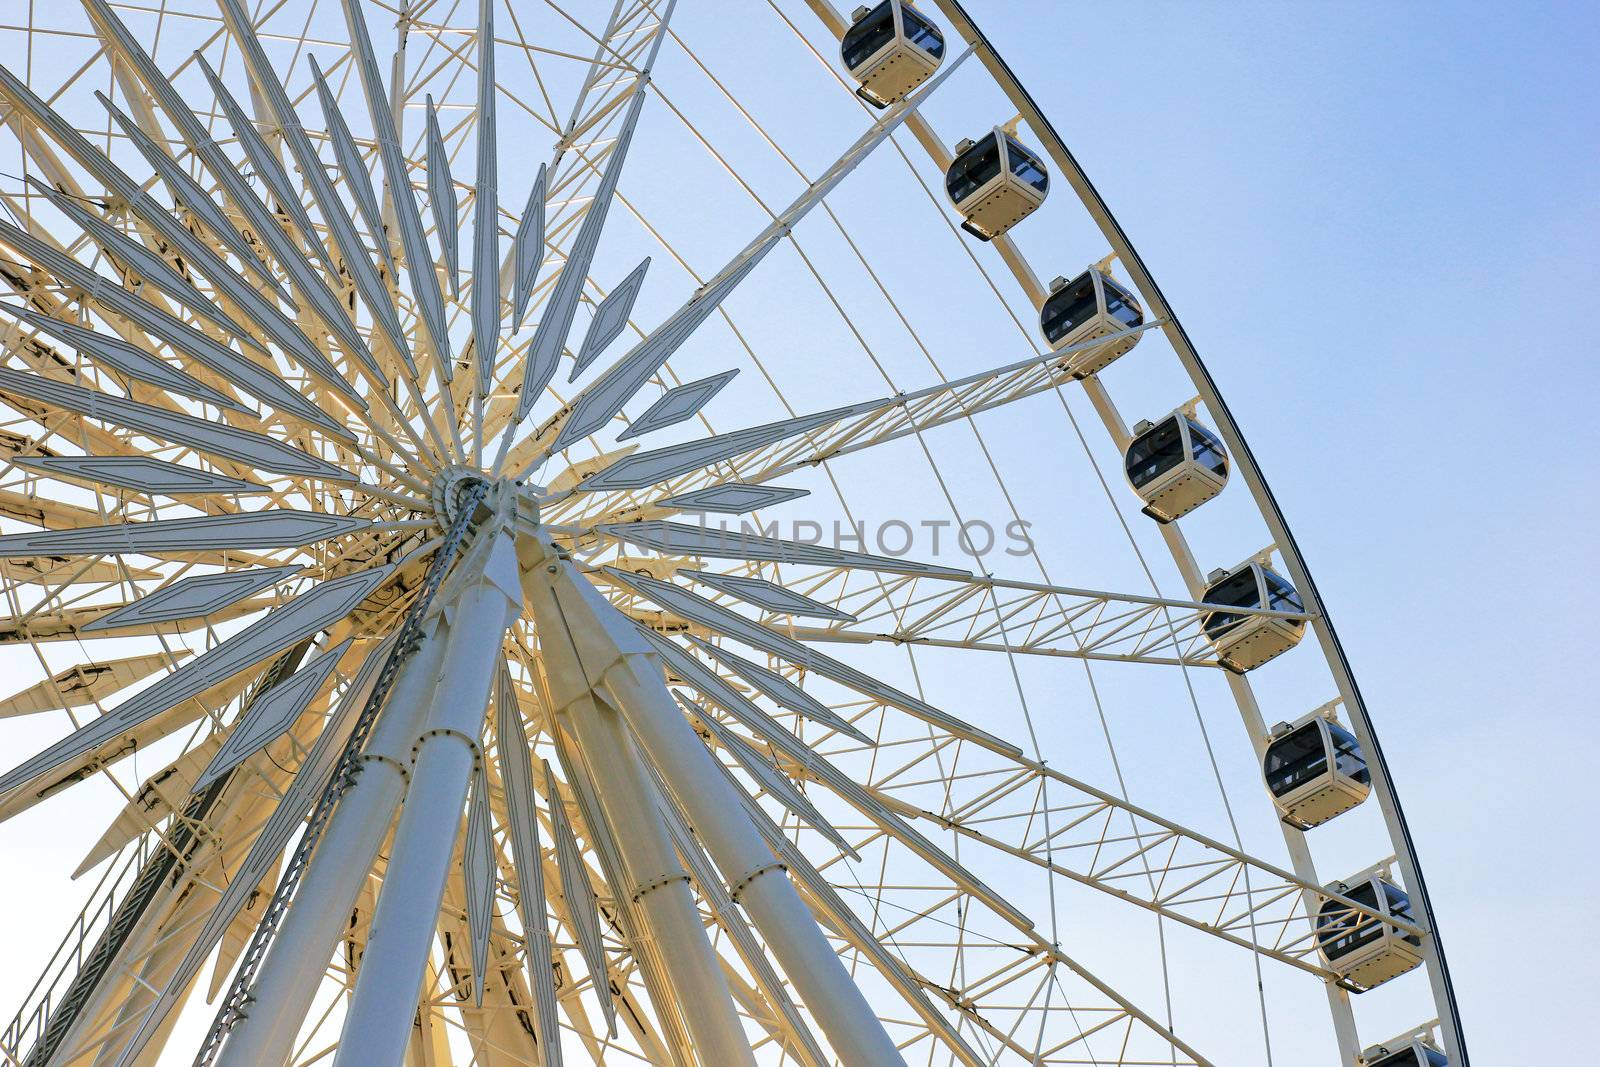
(378, 1024)
(337, 872)
(576, 656)
(756, 879)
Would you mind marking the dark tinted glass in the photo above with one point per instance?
(1281, 596)
(922, 33)
(1403, 1058)
(1154, 453)
(1435, 1059)
(974, 168)
(1341, 931)
(1068, 308)
(863, 40)
(1347, 754)
(1026, 165)
(1295, 759)
(1207, 449)
(1237, 589)
(1400, 907)
(1121, 305)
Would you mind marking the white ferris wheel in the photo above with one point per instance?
(475, 478)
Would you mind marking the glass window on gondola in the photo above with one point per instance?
(1121, 305)
(867, 37)
(1207, 449)
(1240, 591)
(1026, 165)
(1347, 754)
(1069, 308)
(1295, 759)
(1341, 931)
(1404, 1058)
(1409, 1058)
(920, 32)
(1280, 594)
(973, 169)
(1154, 454)
(1400, 907)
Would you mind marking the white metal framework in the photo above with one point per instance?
(452, 715)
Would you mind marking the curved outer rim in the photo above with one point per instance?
(1272, 513)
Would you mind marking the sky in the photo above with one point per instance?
(1377, 223)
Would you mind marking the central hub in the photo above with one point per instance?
(450, 488)
(452, 485)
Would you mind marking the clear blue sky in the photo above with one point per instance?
(1379, 222)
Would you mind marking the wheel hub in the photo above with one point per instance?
(450, 487)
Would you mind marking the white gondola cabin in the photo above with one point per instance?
(1365, 950)
(995, 183)
(1412, 1050)
(1244, 642)
(1088, 307)
(890, 49)
(1175, 465)
(1315, 770)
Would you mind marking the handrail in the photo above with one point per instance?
(35, 1009)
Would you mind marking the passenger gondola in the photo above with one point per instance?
(1365, 950)
(1175, 465)
(890, 49)
(1315, 770)
(1245, 642)
(1090, 306)
(995, 183)
(1411, 1050)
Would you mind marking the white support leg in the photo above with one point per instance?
(311, 927)
(577, 650)
(660, 884)
(378, 1024)
(756, 879)
(608, 653)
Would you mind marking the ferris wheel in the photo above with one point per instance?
(425, 422)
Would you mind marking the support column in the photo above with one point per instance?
(564, 602)
(378, 1024)
(660, 886)
(264, 1036)
(577, 650)
(757, 880)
